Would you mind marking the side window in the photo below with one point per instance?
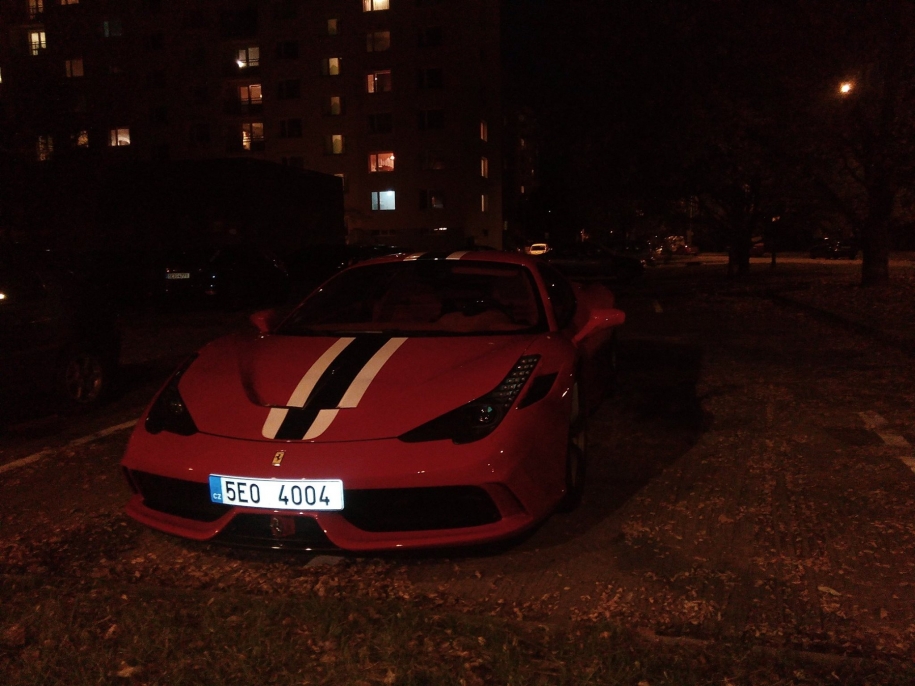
(562, 297)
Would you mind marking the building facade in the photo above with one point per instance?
(398, 98)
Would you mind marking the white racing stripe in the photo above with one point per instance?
(320, 425)
(413, 256)
(357, 389)
(457, 255)
(304, 388)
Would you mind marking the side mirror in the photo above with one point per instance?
(264, 320)
(601, 319)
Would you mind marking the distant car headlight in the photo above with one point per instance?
(478, 418)
(168, 412)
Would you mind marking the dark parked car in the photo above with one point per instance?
(228, 276)
(592, 261)
(834, 248)
(59, 339)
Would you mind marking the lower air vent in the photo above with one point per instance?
(419, 509)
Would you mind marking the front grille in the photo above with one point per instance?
(419, 509)
(187, 499)
(255, 530)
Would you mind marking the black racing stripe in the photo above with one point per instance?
(434, 255)
(297, 423)
(332, 385)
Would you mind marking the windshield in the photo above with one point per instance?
(417, 298)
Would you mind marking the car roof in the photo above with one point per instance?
(463, 255)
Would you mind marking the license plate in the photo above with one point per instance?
(277, 494)
(178, 275)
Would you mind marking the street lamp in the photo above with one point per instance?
(846, 87)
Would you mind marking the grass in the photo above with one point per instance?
(55, 630)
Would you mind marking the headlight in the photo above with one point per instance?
(169, 413)
(478, 418)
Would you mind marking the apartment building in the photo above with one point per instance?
(400, 99)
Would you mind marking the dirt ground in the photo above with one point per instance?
(750, 478)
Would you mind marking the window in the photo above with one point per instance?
(74, 67)
(248, 57)
(158, 114)
(333, 27)
(375, 5)
(289, 89)
(112, 28)
(330, 66)
(200, 133)
(342, 178)
(560, 293)
(36, 7)
(381, 162)
(383, 200)
(37, 42)
(45, 148)
(379, 81)
(335, 105)
(432, 160)
(286, 9)
(294, 161)
(251, 97)
(252, 135)
(378, 41)
(69, 2)
(381, 123)
(334, 144)
(288, 50)
(484, 131)
(484, 203)
(429, 78)
(431, 119)
(431, 199)
(291, 128)
(119, 137)
(484, 167)
(430, 37)
(81, 139)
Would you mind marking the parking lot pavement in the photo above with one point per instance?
(736, 490)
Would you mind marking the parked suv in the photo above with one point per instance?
(59, 340)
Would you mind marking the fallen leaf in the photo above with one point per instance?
(14, 636)
(126, 671)
(827, 589)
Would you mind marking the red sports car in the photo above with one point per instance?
(411, 401)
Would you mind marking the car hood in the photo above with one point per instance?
(328, 389)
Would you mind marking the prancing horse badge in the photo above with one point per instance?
(278, 458)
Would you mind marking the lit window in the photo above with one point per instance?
(248, 57)
(379, 81)
(378, 41)
(484, 167)
(118, 137)
(381, 162)
(375, 5)
(484, 131)
(330, 66)
(112, 28)
(334, 144)
(252, 135)
(383, 200)
(36, 7)
(69, 2)
(335, 105)
(74, 67)
(37, 42)
(484, 203)
(250, 96)
(333, 27)
(81, 139)
(45, 148)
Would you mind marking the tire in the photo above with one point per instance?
(83, 378)
(576, 455)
